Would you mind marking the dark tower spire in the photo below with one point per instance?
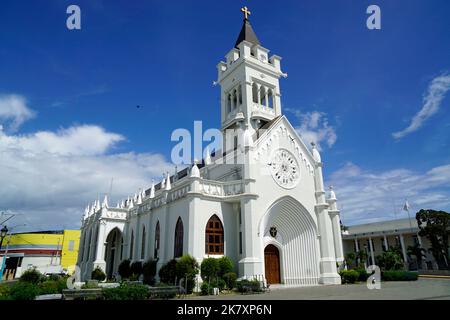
(247, 32)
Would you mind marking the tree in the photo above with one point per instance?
(124, 269)
(350, 259)
(390, 260)
(187, 268)
(98, 274)
(361, 257)
(417, 251)
(209, 269)
(149, 271)
(435, 225)
(225, 265)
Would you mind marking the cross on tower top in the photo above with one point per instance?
(246, 12)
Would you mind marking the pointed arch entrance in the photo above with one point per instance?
(113, 252)
(272, 264)
(290, 228)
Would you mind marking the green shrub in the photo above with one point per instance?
(161, 295)
(349, 276)
(48, 287)
(225, 265)
(149, 271)
(206, 289)
(98, 274)
(5, 292)
(167, 273)
(230, 279)
(244, 285)
(187, 268)
(124, 269)
(136, 269)
(399, 276)
(24, 290)
(363, 275)
(31, 276)
(127, 292)
(390, 260)
(209, 269)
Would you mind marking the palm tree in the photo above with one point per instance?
(419, 252)
(361, 257)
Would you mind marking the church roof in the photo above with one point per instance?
(247, 34)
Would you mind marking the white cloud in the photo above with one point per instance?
(314, 127)
(14, 111)
(77, 140)
(366, 196)
(431, 102)
(49, 177)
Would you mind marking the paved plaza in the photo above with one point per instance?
(423, 289)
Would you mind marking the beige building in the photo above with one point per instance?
(377, 237)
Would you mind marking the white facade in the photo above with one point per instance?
(267, 192)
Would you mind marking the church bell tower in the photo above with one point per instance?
(249, 81)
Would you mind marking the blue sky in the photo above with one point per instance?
(348, 87)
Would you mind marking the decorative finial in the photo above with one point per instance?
(245, 12)
(168, 186)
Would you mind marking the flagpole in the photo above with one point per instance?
(406, 208)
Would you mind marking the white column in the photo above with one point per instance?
(356, 245)
(386, 245)
(402, 242)
(259, 93)
(336, 225)
(328, 267)
(371, 250)
(100, 250)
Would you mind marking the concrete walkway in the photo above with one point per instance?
(422, 289)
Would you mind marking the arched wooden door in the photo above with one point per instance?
(272, 264)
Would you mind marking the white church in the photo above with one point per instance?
(268, 210)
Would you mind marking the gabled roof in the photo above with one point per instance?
(247, 34)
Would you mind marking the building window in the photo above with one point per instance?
(157, 237)
(214, 236)
(255, 92)
(144, 235)
(89, 246)
(131, 245)
(178, 245)
(270, 98)
(121, 248)
(240, 242)
(71, 245)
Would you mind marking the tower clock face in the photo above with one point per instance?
(284, 168)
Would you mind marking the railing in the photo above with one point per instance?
(221, 189)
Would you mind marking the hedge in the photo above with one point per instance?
(393, 275)
(127, 292)
(349, 276)
(243, 285)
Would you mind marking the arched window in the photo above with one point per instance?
(255, 92)
(270, 98)
(89, 246)
(263, 96)
(144, 236)
(240, 94)
(235, 99)
(157, 237)
(229, 102)
(121, 248)
(131, 245)
(214, 236)
(178, 246)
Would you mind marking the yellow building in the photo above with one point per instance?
(48, 251)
